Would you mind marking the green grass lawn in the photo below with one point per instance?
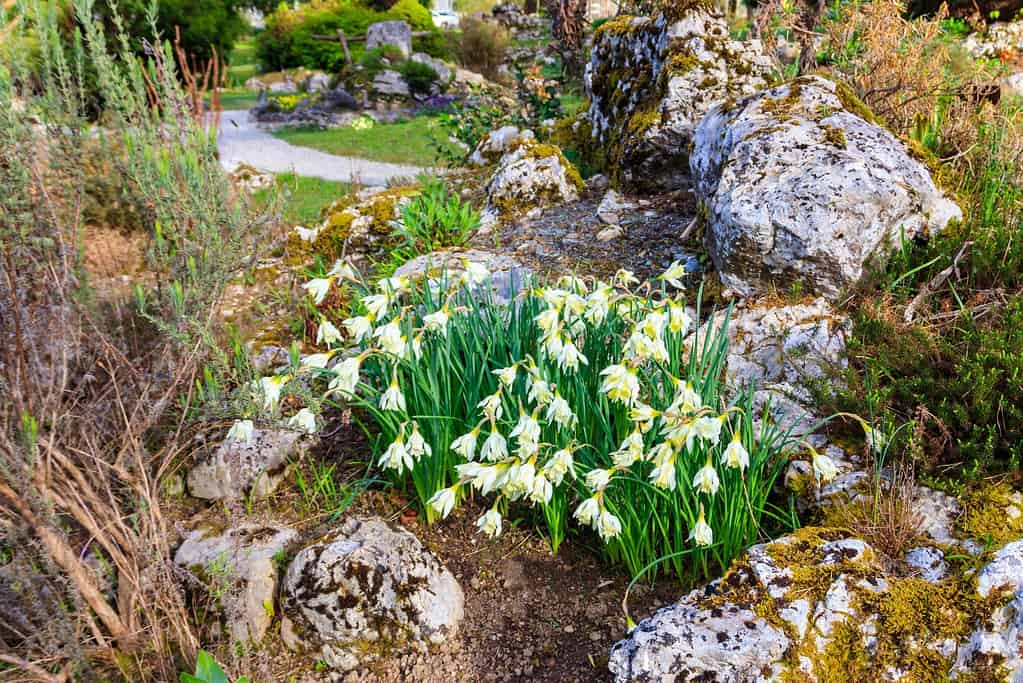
(304, 197)
(405, 142)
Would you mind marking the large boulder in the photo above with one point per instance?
(507, 277)
(239, 565)
(802, 191)
(531, 175)
(395, 33)
(821, 604)
(367, 590)
(240, 469)
(651, 79)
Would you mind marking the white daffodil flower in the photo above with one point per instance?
(475, 273)
(560, 413)
(644, 416)
(359, 327)
(624, 278)
(465, 445)
(653, 324)
(341, 269)
(417, 347)
(396, 457)
(553, 345)
(437, 321)
(570, 357)
(307, 234)
(630, 451)
(620, 384)
(663, 476)
(527, 428)
(598, 479)
(709, 428)
(391, 339)
(678, 320)
(315, 360)
(491, 406)
(824, 467)
(661, 453)
(494, 448)
(417, 446)
(520, 480)
(490, 523)
(706, 479)
(270, 390)
(639, 346)
(575, 305)
(317, 289)
(393, 399)
(702, 533)
(687, 401)
(673, 275)
(540, 393)
(346, 376)
(608, 526)
(303, 421)
(548, 320)
(393, 285)
(241, 431)
(443, 501)
(507, 375)
(328, 334)
(377, 305)
(736, 455)
(588, 511)
(560, 464)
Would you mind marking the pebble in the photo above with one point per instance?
(595, 636)
(569, 629)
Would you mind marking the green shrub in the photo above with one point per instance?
(435, 219)
(578, 397)
(420, 77)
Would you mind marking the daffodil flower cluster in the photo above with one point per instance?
(576, 399)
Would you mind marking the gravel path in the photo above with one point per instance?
(242, 141)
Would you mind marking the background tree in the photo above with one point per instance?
(568, 17)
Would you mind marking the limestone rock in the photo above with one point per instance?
(287, 86)
(507, 276)
(395, 33)
(613, 207)
(651, 79)
(241, 562)
(443, 71)
(929, 562)
(317, 82)
(360, 226)
(391, 83)
(367, 588)
(495, 143)
(531, 175)
(802, 190)
(237, 470)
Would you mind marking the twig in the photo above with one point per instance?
(930, 287)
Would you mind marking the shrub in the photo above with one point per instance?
(435, 219)
(481, 46)
(420, 77)
(614, 420)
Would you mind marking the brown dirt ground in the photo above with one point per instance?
(529, 615)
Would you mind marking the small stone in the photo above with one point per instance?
(610, 233)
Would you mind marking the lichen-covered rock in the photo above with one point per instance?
(801, 190)
(238, 565)
(367, 590)
(240, 469)
(999, 643)
(394, 33)
(783, 352)
(496, 143)
(361, 227)
(822, 605)
(651, 79)
(507, 276)
(531, 175)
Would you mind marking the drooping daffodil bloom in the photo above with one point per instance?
(491, 406)
(437, 321)
(490, 523)
(391, 339)
(377, 304)
(560, 413)
(824, 467)
(597, 479)
(475, 273)
(542, 490)
(443, 501)
(397, 457)
(393, 398)
(527, 428)
(687, 400)
(624, 278)
(494, 448)
(417, 446)
(327, 333)
(709, 428)
(706, 479)
(736, 455)
(608, 526)
(620, 384)
(241, 431)
(588, 511)
(359, 327)
(270, 390)
(569, 357)
(678, 320)
(303, 421)
(630, 451)
(315, 360)
(317, 289)
(663, 475)
(520, 480)
(702, 533)
(346, 376)
(540, 392)
(560, 464)
(341, 269)
(507, 375)
(674, 274)
(465, 445)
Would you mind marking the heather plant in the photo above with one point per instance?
(585, 403)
